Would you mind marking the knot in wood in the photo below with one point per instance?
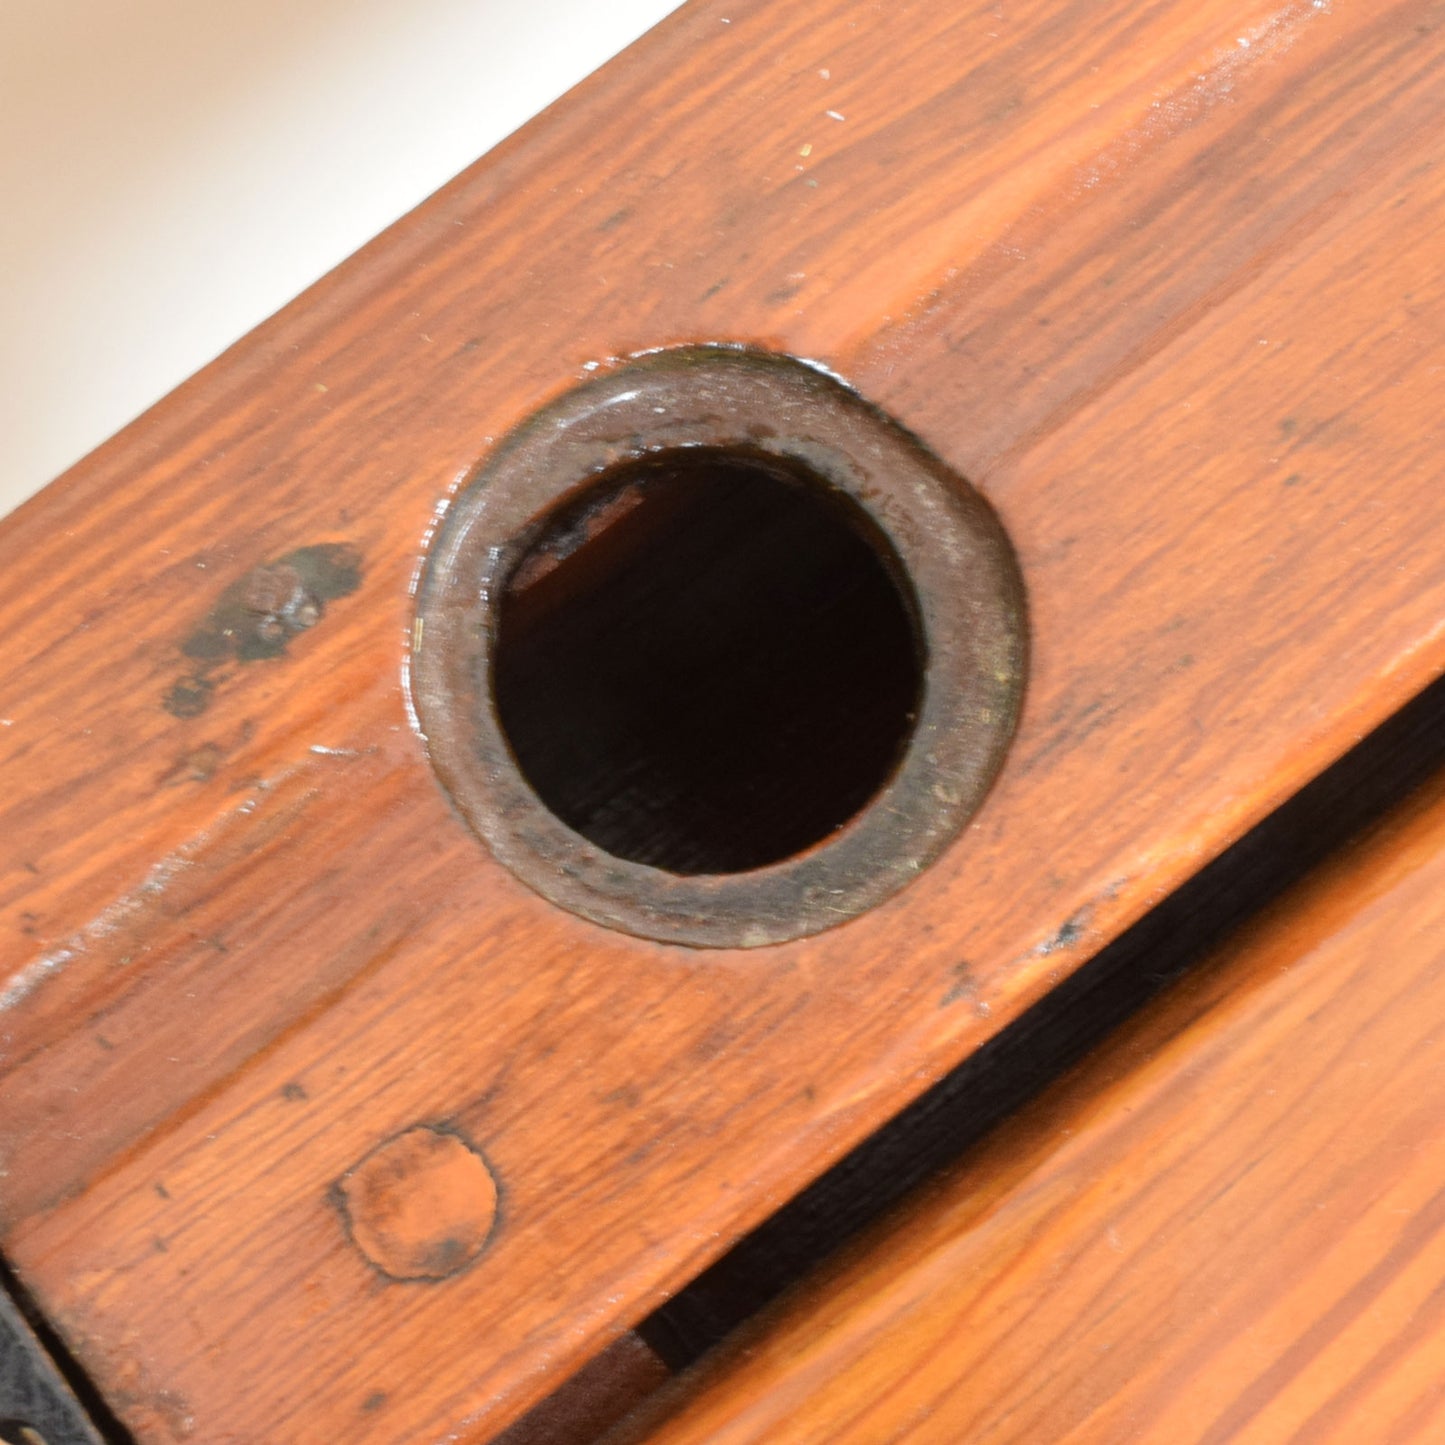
(421, 1206)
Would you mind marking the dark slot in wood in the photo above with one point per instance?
(1018, 1063)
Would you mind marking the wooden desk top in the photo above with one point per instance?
(1163, 281)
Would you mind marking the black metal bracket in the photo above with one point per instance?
(36, 1405)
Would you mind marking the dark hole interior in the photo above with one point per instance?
(708, 662)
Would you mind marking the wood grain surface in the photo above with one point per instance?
(1163, 280)
(1228, 1225)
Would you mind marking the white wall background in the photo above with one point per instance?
(172, 171)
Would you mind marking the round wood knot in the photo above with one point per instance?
(420, 1206)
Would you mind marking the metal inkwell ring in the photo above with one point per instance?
(712, 651)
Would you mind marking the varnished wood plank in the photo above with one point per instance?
(1170, 300)
(1227, 1225)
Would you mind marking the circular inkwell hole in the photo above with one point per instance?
(707, 662)
(712, 651)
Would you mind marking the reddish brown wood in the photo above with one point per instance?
(1228, 1225)
(1172, 301)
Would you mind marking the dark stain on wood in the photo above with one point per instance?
(1069, 933)
(257, 616)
